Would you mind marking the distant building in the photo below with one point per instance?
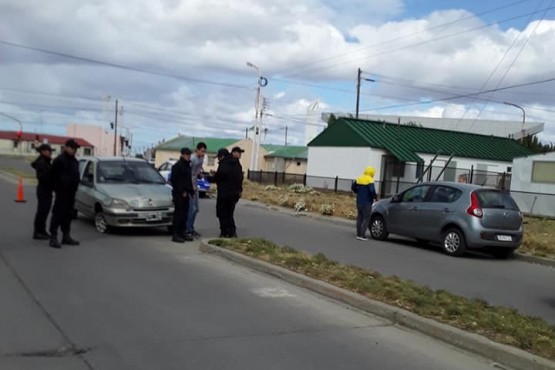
(11, 144)
(102, 139)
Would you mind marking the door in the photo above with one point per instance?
(84, 199)
(404, 216)
(436, 210)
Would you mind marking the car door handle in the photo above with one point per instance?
(447, 210)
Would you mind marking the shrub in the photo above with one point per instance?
(300, 206)
(299, 189)
(327, 209)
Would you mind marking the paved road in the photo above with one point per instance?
(529, 288)
(137, 301)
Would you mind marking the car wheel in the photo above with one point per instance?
(378, 228)
(454, 243)
(100, 223)
(502, 253)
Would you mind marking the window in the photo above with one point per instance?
(87, 151)
(416, 194)
(88, 175)
(298, 163)
(496, 199)
(543, 172)
(445, 194)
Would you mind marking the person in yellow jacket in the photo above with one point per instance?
(364, 188)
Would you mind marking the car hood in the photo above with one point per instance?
(137, 194)
(382, 201)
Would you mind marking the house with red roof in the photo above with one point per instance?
(25, 143)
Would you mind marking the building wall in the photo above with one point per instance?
(532, 197)
(102, 140)
(293, 166)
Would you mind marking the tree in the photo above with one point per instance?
(332, 119)
(535, 145)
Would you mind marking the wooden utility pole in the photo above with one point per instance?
(116, 131)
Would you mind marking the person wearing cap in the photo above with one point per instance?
(182, 192)
(43, 166)
(229, 179)
(197, 160)
(65, 178)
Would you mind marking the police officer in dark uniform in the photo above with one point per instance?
(182, 192)
(229, 179)
(65, 177)
(42, 166)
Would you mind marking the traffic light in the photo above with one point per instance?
(19, 135)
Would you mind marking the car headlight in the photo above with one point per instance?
(119, 204)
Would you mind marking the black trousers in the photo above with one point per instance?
(43, 209)
(180, 215)
(62, 213)
(363, 218)
(225, 210)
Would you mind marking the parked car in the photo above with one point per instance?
(202, 184)
(459, 216)
(123, 192)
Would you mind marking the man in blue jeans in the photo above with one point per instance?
(364, 188)
(197, 160)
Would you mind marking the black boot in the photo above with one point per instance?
(68, 240)
(41, 235)
(54, 243)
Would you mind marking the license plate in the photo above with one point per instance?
(153, 216)
(504, 238)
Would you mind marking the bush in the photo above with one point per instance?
(283, 200)
(299, 189)
(327, 209)
(271, 188)
(300, 206)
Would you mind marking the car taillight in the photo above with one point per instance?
(475, 209)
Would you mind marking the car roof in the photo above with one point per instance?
(458, 185)
(112, 159)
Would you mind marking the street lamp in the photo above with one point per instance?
(359, 78)
(20, 133)
(262, 81)
(523, 119)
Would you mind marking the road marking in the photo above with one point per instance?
(273, 293)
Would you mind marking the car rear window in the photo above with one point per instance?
(496, 199)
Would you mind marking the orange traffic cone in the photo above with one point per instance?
(20, 198)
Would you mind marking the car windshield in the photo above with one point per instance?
(127, 172)
(496, 199)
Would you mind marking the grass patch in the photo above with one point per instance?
(503, 325)
(539, 233)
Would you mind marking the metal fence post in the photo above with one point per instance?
(471, 174)
(304, 179)
(275, 178)
(248, 174)
(336, 183)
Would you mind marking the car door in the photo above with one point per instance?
(85, 199)
(437, 208)
(404, 213)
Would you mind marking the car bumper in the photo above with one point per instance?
(483, 238)
(149, 218)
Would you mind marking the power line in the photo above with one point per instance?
(389, 41)
(119, 66)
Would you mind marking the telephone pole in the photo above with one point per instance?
(116, 131)
(359, 79)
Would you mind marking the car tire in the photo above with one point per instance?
(502, 253)
(378, 228)
(454, 243)
(100, 223)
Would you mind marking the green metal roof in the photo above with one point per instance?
(288, 152)
(213, 144)
(405, 142)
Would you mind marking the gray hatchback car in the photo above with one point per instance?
(459, 216)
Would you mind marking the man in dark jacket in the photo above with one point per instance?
(65, 177)
(229, 179)
(182, 192)
(43, 166)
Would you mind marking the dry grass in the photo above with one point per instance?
(539, 234)
(501, 324)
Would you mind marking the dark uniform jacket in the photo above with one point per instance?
(65, 174)
(181, 178)
(228, 177)
(43, 169)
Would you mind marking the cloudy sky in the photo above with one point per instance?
(179, 66)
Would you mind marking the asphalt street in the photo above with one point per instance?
(527, 287)
(134, 300)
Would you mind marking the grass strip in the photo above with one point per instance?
(500, 324)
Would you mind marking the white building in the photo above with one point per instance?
(533, 184)
(403, 154)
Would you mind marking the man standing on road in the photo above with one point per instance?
(65, 177)
(229, 179)
(182, 192)
(364, 188)
(43, 166)
(197, 160)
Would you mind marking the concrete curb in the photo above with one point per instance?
(505, 355)
(342, 221)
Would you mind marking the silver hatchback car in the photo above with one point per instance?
(123, 192)
(459, 216)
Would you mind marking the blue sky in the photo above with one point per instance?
(309, 50)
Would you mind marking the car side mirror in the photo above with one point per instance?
(396, 199)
